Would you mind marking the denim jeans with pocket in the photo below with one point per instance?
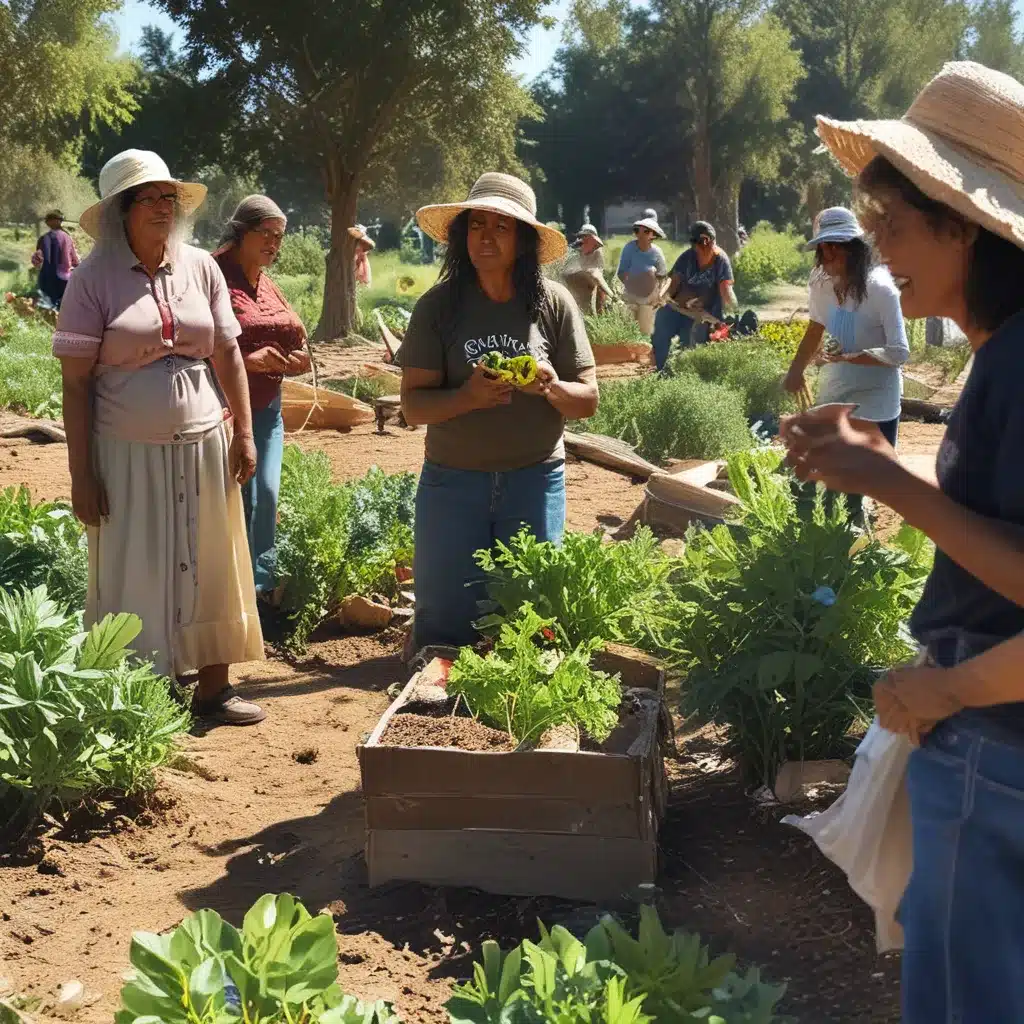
(667, 325)
(259, 495)
(460, 511)
(963, 910)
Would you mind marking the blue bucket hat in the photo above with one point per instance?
(836, 224)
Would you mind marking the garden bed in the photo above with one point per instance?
(622, 352)
(580, 824)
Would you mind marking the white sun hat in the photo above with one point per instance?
(836, 224)
(650, 221)
(496, 193)
(130, 169)
(961, 143)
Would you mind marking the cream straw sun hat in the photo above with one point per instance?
(961, 142)
(496, 193)
(358, 232)
(130, 169)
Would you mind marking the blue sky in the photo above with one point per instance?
(540, 50)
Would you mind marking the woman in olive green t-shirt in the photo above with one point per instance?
(495, 457)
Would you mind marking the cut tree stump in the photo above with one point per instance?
(388, 404)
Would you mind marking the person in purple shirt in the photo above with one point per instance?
(55, 257)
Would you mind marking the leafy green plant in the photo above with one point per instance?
(673, 418)
(751, 368)
(590, 588)
(337, 539)
(365, 389)
(785, 618)
(302, 252)
(611, 978)
(78, 718)
(42, 543)
(396, 315)
(614, 326)
(768, 257)
(784, 336)
(30, 379)
(281, 966)
(527, 690)
(305, 294)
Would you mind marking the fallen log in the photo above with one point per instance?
(920, 409)
(609, 452)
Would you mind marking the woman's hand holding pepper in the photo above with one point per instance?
(483, 391)
(546, 383)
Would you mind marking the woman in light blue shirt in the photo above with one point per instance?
(641, 267)
(858, 305)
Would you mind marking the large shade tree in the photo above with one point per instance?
(347, 87)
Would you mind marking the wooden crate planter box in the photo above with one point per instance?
(578, 825)
(622, 352)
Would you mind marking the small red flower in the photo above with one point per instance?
(547, 633)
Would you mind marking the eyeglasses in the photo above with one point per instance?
(151, 201)
(268, 235)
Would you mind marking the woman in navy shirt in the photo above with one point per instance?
(702, 280)
(940, 191)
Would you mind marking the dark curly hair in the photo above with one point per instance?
(992, 291)
(458, 273)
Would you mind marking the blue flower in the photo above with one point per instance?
(825, 596)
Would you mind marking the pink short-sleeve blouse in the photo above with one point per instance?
(117, 314)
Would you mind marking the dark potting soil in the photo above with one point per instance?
(407, 730)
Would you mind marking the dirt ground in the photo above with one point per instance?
(278, 808)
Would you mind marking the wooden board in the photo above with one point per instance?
(609, 452)
(576, 867)
(623, 352)
(309, 408)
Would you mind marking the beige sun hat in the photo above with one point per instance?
(496, 193)
(358, 231)
(130, 169)
(961, 142)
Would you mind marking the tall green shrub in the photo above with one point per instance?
(673, 418)
(787, 620)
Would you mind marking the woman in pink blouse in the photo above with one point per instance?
(271, 343)
(155, 473)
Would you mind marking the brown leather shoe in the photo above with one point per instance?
(228, 708)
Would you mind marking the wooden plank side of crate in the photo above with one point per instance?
(441, 770)
(514, 812)
(514, 863)
(635, 668)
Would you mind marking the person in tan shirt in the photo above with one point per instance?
(495, 456)
(154, 475)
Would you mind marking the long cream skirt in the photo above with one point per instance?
(174, 552)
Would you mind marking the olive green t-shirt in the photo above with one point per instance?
(529, 429)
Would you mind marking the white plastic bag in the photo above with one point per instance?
(866, 831)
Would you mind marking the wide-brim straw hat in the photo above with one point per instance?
(961, 143)
(358, 232)
(130, 169)
(496, 193)
(651, 223)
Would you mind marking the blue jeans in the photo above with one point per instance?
(667, 324)
(963, 911)
(259, 495)
(460, 511)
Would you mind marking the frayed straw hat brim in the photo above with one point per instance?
(942, 172)
(436, 220)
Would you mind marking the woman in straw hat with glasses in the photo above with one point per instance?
(495, 457)
(942, 192)
(154, 475)
(361, 261)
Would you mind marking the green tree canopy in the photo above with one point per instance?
(344, 86)
(61, 74)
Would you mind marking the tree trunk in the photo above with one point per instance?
(725, 217)
(338, 314)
